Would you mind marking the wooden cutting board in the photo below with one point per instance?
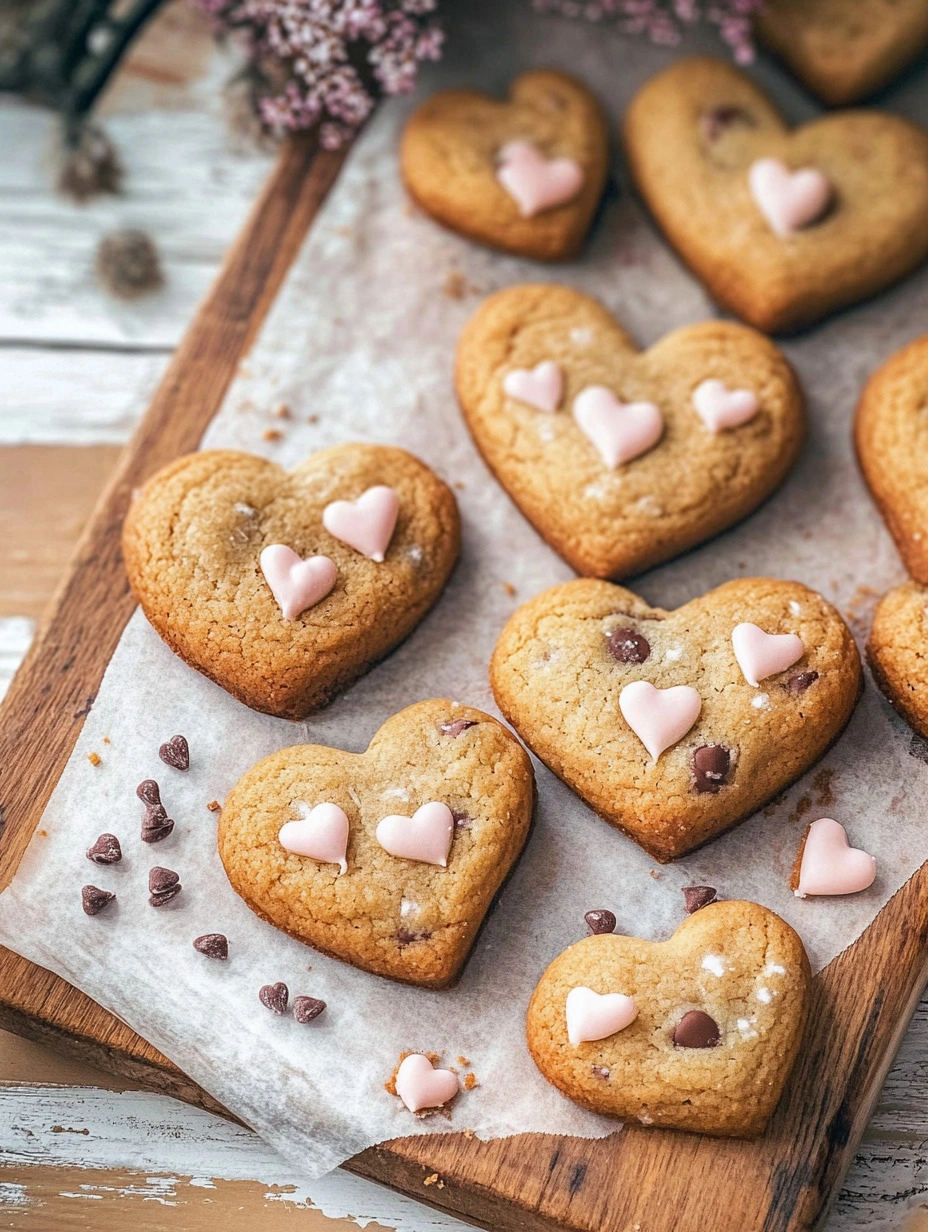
(637, 1180)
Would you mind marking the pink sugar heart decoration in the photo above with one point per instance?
(320, 833)
(295, 583)
(830, 865)
(659, 717)
(789, 200)
(534, 182)
(620, 431)
(541, 387)
(419, 1085)
(721, 408)
(366, 524)
(761, 654)
(594, 1016)
(426, 836)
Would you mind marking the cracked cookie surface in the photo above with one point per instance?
(401, 918)
(564, 658)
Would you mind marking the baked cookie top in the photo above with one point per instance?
(675, 725)
(727, 412)
(403, 899)
(783, 226)
(715, 1022)
(195, 542)
(524, 174)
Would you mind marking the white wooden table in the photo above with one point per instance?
(78, 367)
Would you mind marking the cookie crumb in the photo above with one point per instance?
(282, 411)
(509, 589)
(463, 1061)
(455, 285)
(106, 740)
(460, 484)
(655, 874)
(468, 1133)
(431, 1180)
(272, 434)
(94, 758)
(312, 419)
(470, 1081)
(214, 806)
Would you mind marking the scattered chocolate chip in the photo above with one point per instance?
(275, 997)
(696, 897)
(156, 824)
(461, 821)
(161, 879)
(405, 936)
(718, 120)
(213, 945)
(600, 1071)
(799, 683)
(628, 646)
(176, 752)
(93, 899)
(711, 763)
(305, 1009)
(600, 921)
(697, 1030)
(165, 896)
(106, 850)
(454, 727)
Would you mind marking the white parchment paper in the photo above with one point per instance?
(359, 346)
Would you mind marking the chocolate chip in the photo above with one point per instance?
(305, 1009)
(600, 1071)
(405, 936)
(165, 896)
(695, 897)
(697, 1030)
(711, 763)
(156, 824)
(461, 821)
(628, 646)
(161, 879)
(93, 899)
(799, 683)
(164, 885)
(106, 850)
(600, 921)
(275, 997)
(213, 945)
(454, 727)
(176, 752)
(718, 120)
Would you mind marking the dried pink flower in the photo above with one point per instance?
(324, 61)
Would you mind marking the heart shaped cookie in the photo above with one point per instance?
(896, 652)
(720, 1011)
(233, 564)
(647, 714)
(842, 51)
(891, 435)
(694, 135)
(394, 910)
(626, 472)
(524, 175)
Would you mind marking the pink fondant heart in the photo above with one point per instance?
(721, 408)
(426, 836)
(594, 1016)
(296, 584)
(320, 833)
(534, 182)
(540, 387)
(789, 200)
(620, 431)
(830, 865)
(366, 524)
(761, 654)
(659, 717)
(420, 1086)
